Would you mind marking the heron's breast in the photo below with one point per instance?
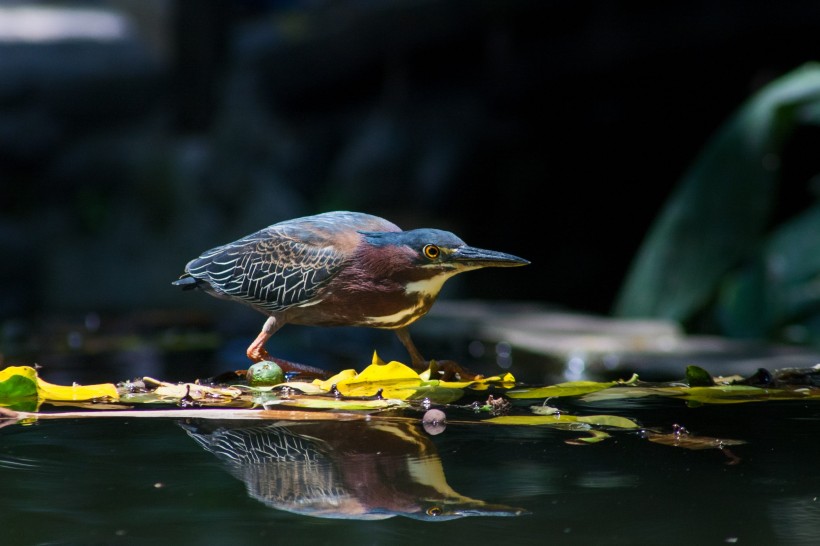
(388, 305)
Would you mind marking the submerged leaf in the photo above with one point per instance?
(594, 437)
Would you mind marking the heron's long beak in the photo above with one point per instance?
(478, 257)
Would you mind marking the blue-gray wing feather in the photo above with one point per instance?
(269, 269)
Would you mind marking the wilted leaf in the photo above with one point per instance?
(690, 441)
(166, 391)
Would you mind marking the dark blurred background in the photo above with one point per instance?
(136, 133)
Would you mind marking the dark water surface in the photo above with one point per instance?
(196, 481)
(166, 481)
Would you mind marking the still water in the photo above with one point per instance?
(130, 480)
(167, 481)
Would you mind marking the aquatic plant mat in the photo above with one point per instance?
(393, 392)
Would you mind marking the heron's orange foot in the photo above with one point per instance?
(302, 371)
(450, 370)
(258, 354)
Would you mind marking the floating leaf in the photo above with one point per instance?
(544, 410)
(560, 419)
(394, 379)
(165, 391)
(301, 386)
(17, 382)
(574, 388)
(22, 381)
(48, 391)
(328, 403)
(682, 438)
(327, 384)
(736, 394)
(621, 393)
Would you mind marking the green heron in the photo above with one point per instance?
(337, 269)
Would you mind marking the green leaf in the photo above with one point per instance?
(564, 420)
(698, 377)
(574, 388)
(17, 382)
(718, 213)
(780, 286)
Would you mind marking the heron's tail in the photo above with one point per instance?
(186, 282)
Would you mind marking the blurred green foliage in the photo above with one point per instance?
(713, 260)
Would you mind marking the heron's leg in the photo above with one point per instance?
(416, 359)
(257, 353)
(447, 370)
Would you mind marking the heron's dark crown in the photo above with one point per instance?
(414, 238)
(419, 241)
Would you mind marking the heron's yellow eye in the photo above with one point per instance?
(431, 251)
(434, 510)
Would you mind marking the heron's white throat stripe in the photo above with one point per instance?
(426, 289)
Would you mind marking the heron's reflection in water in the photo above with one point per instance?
(352, 469)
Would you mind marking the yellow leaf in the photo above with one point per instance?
(394, 379)
(49, 391)
(24, 371)
(18, 382)
(341, 376)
